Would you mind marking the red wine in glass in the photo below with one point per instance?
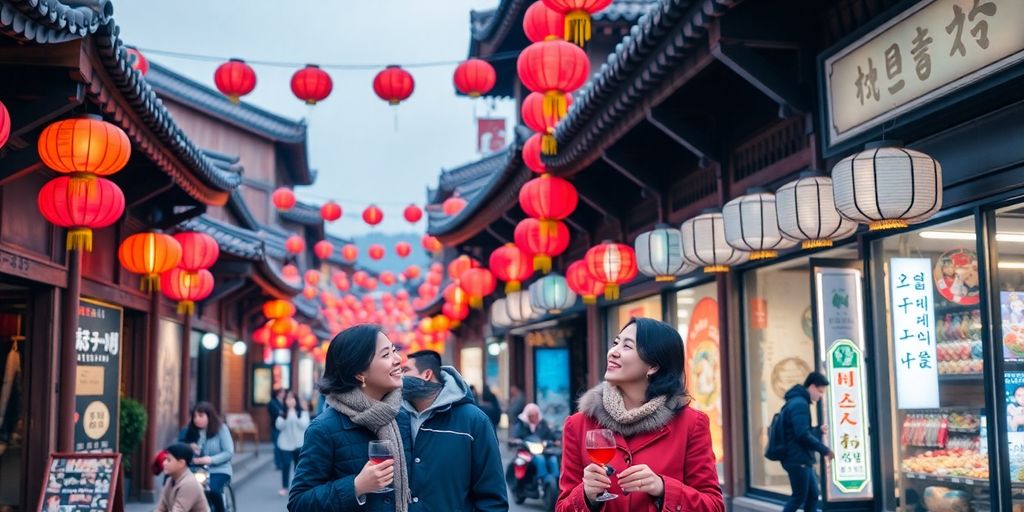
(381, 451)
(377, 459)
(600, 445)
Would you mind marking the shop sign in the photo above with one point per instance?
(704, 370)
(928, 51)
(97, 400)
(88, 482)
(913, 322)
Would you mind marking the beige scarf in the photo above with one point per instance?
(379, 418)
(605, 404)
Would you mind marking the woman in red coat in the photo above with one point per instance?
(663, 458)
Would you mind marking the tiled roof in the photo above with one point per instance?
(625, 10)
(493, 24)
(641, 64)
(50, 21)
(233, 240)
(303, 213)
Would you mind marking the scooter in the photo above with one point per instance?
(202, 474)
(521, 475)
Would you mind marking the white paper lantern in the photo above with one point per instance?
(751, 225)
(887, 187)
(659, 254)
(518, 307)
(704, 243)
(551, 294)
(499, 314)
(807, 212)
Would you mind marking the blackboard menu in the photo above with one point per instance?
(98, 349)
(80, 482)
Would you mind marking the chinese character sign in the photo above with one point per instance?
(929, 50)
(490, 135)
(98, 350)
(913, 320)
(847, 404)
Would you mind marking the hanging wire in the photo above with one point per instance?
(337, 66)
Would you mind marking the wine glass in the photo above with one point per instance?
(381, 451)
(601, 450)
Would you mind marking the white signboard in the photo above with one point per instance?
(927, 51)
(913, 324)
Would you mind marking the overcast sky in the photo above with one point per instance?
(352, 141)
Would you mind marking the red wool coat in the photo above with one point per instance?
(680, 452)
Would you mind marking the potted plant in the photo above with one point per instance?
(133, 426)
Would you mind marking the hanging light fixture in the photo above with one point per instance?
(659, 254)
(235, 79)
(551, 294)
(580, 281)
(612, 264)
(499, 313)
(518, 307)
(751, 225)
(150, 253)
(806, 211)
(887, 186)
(311, 84)
(704, 243)
(512, 265)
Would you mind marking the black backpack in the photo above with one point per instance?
(776, 449)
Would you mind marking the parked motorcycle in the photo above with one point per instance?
(521, 474)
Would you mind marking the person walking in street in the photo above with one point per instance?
(516, 402)
(212, 445)
(489, 404)
(292, 424)
(274, 408)
(362, 384)
(531, 423)
(802, 441)
(660, 447)
(457, 465)
(182, 492)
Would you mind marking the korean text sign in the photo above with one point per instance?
(97, 401)
(913, 324)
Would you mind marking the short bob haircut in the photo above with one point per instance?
(350, 353)
(659, 344)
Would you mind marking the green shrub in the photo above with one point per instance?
(133, 426)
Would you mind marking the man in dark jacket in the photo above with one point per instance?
(802, 441)
(456, 464)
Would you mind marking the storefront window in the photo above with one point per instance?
(697, 321)
(618, 316)
(933, 333)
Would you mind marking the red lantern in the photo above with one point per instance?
(262, 335)
(311, 84)
(460, 265)
(612, 264)
(283, 199)
(149, 254)
(475, 77)
(284, 326)
(309, 292)
(537, 120)
(454, 294)
(434, 279)
(186, 287)
(554, 68)
(137, 60)
(280, 341)
(370, 284)
(372, 215)
(323, 249)
(290, 272)
(312, 277)
(295, 244)
(548, 198)
(235, 79)
(330, 211)
(412, 213)
(541, 23)
(440, 323)
(5, 124)
(543, 240)
(478, 283)
(412, 272)
(431, 244)
(198, 250)
(278, 308)
(577, 16)
(350, 252)
(453, 205)
(393, 85)
(511, 264)
(84, 144)
(80, 205)
(376, 252)
(531, 154)
(387, 278)
(403, 249)
(340, 282)
(455, 312)
(584, 284)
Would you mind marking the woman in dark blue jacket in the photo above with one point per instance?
(362, 386)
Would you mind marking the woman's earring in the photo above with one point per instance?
(364, 382)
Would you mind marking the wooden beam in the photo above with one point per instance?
(57, 101)
(734, 46)
(689, 137)
(640, 178)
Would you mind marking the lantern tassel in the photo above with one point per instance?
(186, 307)
(476, 302)
(555, 104)
(79, 239)
(235, 99)
(542, 263)
(611, 291)
(150, 283)
(513, 286)
(577, 27)
(590, 299)
(548, 145)
(455, 324)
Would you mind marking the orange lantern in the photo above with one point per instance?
(440, 323)
(612, 264)
(431, 244)
(283, 199)
(478, 283)
(149, 254)
(323, 249)
(459, 265)
(543, 240)
(412, 272)
(295, 244)
(453, 205)
(454, 294)
(280, 341)
(286, 326)
(186, 287)
(84, 145)
(198, 250)
(278, 308)
(350, 252)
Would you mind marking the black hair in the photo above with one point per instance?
(213, 423)
(298, 404)
(659, 344)
(351, 352)
(815, 379)
(427, 360)
(181, 451)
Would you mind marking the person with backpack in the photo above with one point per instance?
(793, 442)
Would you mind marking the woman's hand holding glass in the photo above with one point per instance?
(375, 477)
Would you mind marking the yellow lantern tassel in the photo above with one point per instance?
(577, 27)
(590, 299)
(79, 239)
(513, 286)
(542, 263)
(150, 283)
(763, 255)
(548, 145)
(716, 269)
(187, 308)
(887, 224)
(476, 302)
(455, 324)
(816, 243)
(234, 99)
(664, 279)
(611, 291)
(555, 104)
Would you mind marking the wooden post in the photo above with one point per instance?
(595, 348)
(152, 346)
(69, 355)
(185, 386)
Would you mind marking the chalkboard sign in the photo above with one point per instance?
(82, 482)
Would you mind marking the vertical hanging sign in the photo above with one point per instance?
(840, 335)
(913, 320)
(97, 401)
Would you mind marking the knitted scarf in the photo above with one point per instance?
(379, 418)
(604, 403)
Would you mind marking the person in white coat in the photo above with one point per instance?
(292, 425)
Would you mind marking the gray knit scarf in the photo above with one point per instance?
(379, 418)
(605, 404)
